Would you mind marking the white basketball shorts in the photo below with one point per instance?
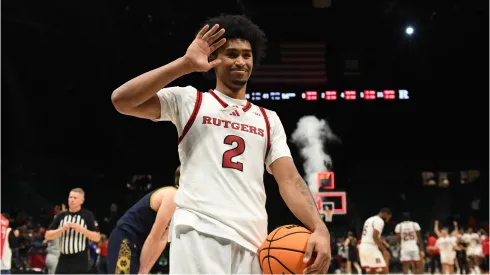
(409, 256)
(371, 257)
(193, 252)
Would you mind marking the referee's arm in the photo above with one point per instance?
(54, 229)
(92, 230)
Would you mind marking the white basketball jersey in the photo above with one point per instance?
(223, 145)
(446, 244)
(408, 233)
(375, 222)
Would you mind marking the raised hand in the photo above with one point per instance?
(201, 48)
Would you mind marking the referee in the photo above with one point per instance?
(75, 228)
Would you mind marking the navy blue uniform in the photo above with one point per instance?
(129, 235)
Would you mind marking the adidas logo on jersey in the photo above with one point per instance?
(235, 113)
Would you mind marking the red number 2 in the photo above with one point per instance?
(229, 154)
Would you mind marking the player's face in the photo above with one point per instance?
(387, 218)
(75, 199)
(444, 232)
(236, 63)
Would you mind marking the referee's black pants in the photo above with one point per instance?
(73, 263)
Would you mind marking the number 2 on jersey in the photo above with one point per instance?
(233, 152)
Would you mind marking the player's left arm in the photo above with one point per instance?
(298, 198)
(157, 239)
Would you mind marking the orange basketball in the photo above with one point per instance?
(283, 250)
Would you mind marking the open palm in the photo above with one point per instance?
(201, 48)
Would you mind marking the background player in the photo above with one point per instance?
(141, 234)
(447, 245)
(369, 250)
(412, 248)
(224, 142)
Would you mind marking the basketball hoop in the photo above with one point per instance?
(328, 215)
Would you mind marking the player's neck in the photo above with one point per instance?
(236, 94)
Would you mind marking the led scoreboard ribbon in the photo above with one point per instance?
(332, 95)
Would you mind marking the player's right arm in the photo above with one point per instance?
(138, 97)
(157, 239)
(377, 229)
(53, 231)
(436, 229)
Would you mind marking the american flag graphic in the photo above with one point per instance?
(299, 64)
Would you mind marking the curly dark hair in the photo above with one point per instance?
(241, 27)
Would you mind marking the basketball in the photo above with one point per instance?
(283, 250)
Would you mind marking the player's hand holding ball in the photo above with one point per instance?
(319, 244)
(201, 48)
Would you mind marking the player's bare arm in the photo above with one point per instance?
(398, 238)
(138, 98)
(298, 198)
(157, 239)
(436, 229)
(379, 243)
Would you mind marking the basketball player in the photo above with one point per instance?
(372, 253)
(223, 143)
(412, 248)
(141, 233)
(474, 250)
(447, 245)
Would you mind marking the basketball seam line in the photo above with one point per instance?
(268, 251)
(279, 263)
(286, 236)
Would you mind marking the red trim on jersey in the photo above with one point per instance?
(191, 120)
(268, 129)
(218, 99)
(247, 106)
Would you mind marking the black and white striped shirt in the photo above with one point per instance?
(71, 241)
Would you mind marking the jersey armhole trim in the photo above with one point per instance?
(191, 120)
(268, 129)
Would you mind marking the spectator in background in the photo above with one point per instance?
(37, 261)
(53, 249)
(486, 249)
(434, 252)
(53, 254)
(102, 250)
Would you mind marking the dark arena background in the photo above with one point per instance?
(401, 85)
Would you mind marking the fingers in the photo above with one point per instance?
(209, 33)
(218, 44)
(309, 250)
(216, 36)
(202, 31)
(320, 265)
(214, 63)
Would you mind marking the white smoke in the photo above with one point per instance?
(310, 136)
